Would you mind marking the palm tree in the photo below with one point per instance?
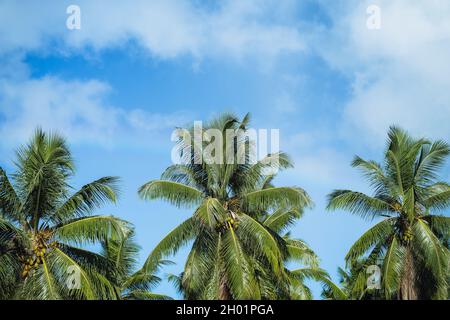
(232, 249)
(292, 286)
(411, 240)
(128, 283)
(43, 227)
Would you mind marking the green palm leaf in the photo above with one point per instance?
(273, 198)
(91, 196)
(282, 218)
(358, 203)
(176, 193)
(392, 268)
(238, 269)
(91, 229)
(9, 200)
(375, 235)
(436, 256)
(178, 237)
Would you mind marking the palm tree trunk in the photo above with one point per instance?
(408, 285)
(224, 291)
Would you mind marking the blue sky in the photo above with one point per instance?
(117, 87)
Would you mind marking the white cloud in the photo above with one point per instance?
(78, 110)
(401, 71)
(165, 28)
(401, 74)
(323, 167)
(248, 31)
(318, 163)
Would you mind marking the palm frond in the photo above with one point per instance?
(358, 203)
(211, 213)
(88, 198)
(299, 251)
(91, 229)
(373, 172)
(439, 200)
(273, 198)
(10, 203)
(178, 237)
(179, 194)
(430, 161)
(393, 266)
(238, 271)
(269, 243)
(282, 218)
(435, 255)
(375, 235)
(333, 290)
(197, 270)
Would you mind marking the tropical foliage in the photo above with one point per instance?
(54, 246)
(353, 283)
(411, 235)
(43, 227)
(238, 251)
(128, 283)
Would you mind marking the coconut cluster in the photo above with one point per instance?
(407, 235)
(34, 259)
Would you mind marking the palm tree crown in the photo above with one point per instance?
(42, 226)
(236, 251)
(411, 240)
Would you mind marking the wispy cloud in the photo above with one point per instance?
(248, 31)
(401, 72)
(166, 28)
(78, 109)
